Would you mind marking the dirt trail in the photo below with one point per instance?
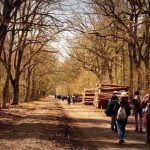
(32, 126)
(91, 130)
(53, 125)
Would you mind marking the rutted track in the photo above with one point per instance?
(90, 130)
(53, 125)
(39, 125)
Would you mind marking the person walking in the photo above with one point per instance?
(122, 112)
(111, 104)
(148, 123)
(137, 111)
(146, 116)
(69, 99)
(73, 99)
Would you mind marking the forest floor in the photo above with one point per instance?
(49, 124)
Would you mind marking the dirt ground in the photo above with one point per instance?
(33, 126)
(90, 130)
(53, 125)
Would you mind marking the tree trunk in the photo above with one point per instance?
(5, 92)
(146, 59)
(123, 68)
(131, 74)
(147, 76)
(27, 97)
(8, 7)
(139, 80)
(6, 86)
(15, 82)
(3, 33)
(33, 92)
(15, 91)
(115, 67)
(110, 75)
(109, 68)
(99, 76)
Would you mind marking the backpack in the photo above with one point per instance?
(121, 114)
(108, 111)
(109, 108)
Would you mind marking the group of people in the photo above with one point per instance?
(119, 109)
(68, 98)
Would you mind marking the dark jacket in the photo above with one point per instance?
(137, 106)
(127, 109)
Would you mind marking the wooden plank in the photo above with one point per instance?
(89, 95)
(88, 99)
(113, 85)
(113, 89)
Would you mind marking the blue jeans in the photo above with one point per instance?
(138, 117)
(121, 129)
(148, 127)
(113, 122)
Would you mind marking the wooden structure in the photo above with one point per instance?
(104, 93)
(88, 96)
(79, 97)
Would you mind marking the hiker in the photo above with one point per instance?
(69, 100)
(137, 110)
(146, 115)
(111, 104)
(73, 99)
(148, 122)
(63, 98)
(121, 111)
(145, 100)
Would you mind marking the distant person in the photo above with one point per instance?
(122, 112)
(62, 97)
(148, 122)
(111, 104)
(59, 97)
(146, 115)
(145, 101)
(73, 99)
(69, 100)
(137, 103)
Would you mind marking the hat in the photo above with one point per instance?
(124, 94)
(115, 92)
(147, 98)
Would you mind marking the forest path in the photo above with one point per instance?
(50, 124)
(32, 126)
(90, 129)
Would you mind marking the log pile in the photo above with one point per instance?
(108, 88)
(104, 93)
(88, 96)
(79, 97)
(101, 99)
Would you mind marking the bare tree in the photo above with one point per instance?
(130, 17)
(8, 10)
(33, 17)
